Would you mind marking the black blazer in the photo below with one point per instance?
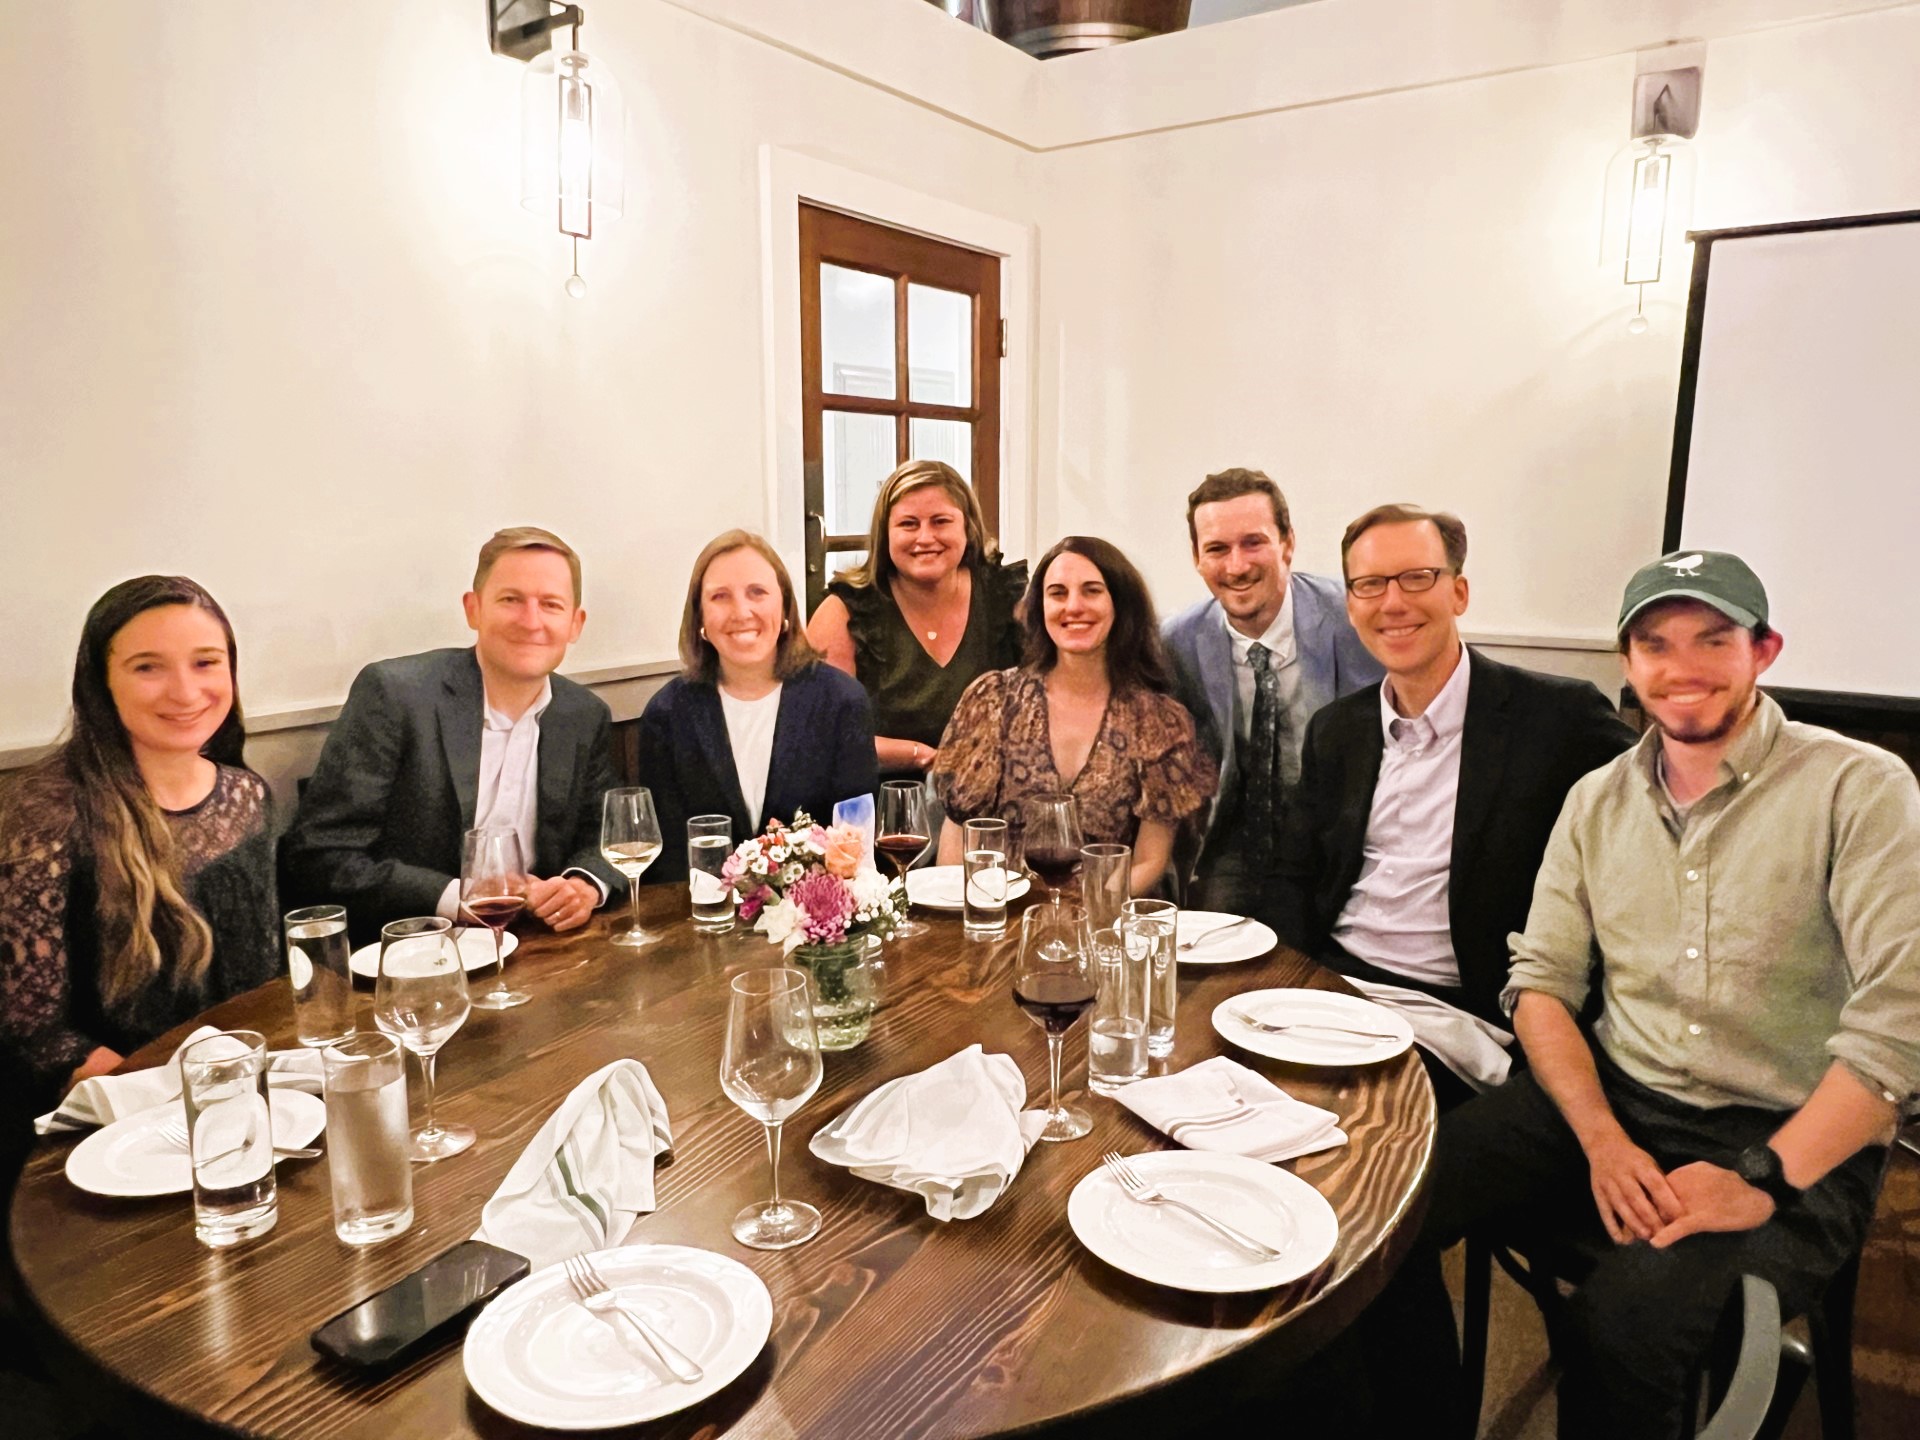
(379, 827)
(1527, 737)
(822, 754)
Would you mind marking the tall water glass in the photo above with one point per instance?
(985, 875)
(420, 999)
(1053, 983)
(1106, 882)
(367, 1143)
(770, 1067)
(1117, 1032)
(630, 842)
(229, 1137)
(709, 843)
(493, 891)
(902, 833)
(1147, 930)
(317, 951)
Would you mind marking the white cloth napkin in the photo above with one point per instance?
(1467, 1045)
(588, 1173)
(1220, 1104)
(103, 1099)
(953, 1134)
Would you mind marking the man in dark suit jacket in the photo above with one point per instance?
(1425, 804)
(430, 746)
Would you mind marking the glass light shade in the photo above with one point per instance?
(1649, 206)
(573, 128)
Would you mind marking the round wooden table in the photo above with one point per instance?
(888, 1324)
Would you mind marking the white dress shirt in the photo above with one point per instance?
(1286, 672)
(1398, 917)
(750, 725)
(508, 794)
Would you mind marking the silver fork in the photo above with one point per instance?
(1272, 1028)
(174, 1132)
(1206, 935)
(595, 1295)
(1140, 1190)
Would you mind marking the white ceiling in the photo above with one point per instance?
(1212, 12)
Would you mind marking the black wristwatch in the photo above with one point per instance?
(1759, 1165)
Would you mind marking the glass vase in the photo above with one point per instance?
(845, 983)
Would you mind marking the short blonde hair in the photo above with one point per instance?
(524, 537)
(877, 568)
(699, 661)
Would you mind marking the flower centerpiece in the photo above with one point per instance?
(807, 889)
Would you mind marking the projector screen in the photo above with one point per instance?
(1797, 444)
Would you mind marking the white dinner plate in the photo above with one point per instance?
(1162, 1244)
(1317, 1008)
(937, 887)
(131, 1157)
(1219, 945)
(476, 951)
(537, 1355)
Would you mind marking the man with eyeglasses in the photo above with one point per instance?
(1425, 804)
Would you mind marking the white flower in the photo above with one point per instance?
(783, 924)
(792, 873)
(870, 890)
(777, 854)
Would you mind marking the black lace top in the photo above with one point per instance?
(913, 694)
(51, 1012)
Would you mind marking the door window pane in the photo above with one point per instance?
(948, 440)
(840, 561)
(856, 332)
(856, 454)
(939, 346)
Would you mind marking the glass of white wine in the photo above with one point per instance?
(630, 842)
(420, 999)
(770, 1067)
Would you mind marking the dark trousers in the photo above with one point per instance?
(1642, 1320)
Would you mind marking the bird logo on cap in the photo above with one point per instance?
(1686, 565)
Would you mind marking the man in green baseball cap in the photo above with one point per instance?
(1739, 889)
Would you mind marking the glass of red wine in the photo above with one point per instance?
(493, 890)
(1053, 983)
(902, 833)
(1051, 839)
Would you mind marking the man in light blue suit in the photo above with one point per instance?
(1253, 664)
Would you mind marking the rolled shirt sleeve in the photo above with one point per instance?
(1557, 952)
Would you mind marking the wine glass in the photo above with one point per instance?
(1052, 839)
(493, 889)
(903, 833)
(770, 1067)
(420, 999)
(1054, 982)
(630, 842)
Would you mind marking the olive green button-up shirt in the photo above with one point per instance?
(1744, 947)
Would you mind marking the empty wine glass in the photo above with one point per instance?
(630, 842)
(1054, 981)
(493, 890)
(1051, 839)
(420, 999)
(903, 834)
(770, 1067)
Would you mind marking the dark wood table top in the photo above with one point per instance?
(889, 1323)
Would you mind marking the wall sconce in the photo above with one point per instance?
(1649, 200)
(572, 123)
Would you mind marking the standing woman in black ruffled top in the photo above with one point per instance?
(930, 610)
(136, 860)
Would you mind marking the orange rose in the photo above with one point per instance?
(845, 847)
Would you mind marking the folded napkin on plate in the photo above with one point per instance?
(103, 1099)
(1220, 1104)
(953, 1133)
(588, 1172)
(1465, 1044)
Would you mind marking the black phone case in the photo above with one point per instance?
(336, 1340)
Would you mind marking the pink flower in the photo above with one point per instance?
(845, 847)
(827, 903)
(751, 902)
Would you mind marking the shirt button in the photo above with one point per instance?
(1693, 1029)
(1693, 874)
(1693, 954)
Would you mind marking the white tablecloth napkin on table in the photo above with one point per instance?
(589, 1172)
(1222, 1105)
(1465, 1044)
(953, 1134)
(103, 1099)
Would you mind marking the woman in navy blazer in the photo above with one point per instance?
(756, 725)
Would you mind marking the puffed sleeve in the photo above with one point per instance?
(967, 770)
(1177, 775)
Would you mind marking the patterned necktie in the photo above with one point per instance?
(1263, 771)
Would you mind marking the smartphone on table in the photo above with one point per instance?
(414, 1312)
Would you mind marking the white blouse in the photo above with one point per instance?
(750, 732)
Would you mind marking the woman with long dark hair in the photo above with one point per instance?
(1088, 714)
(136, 860)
